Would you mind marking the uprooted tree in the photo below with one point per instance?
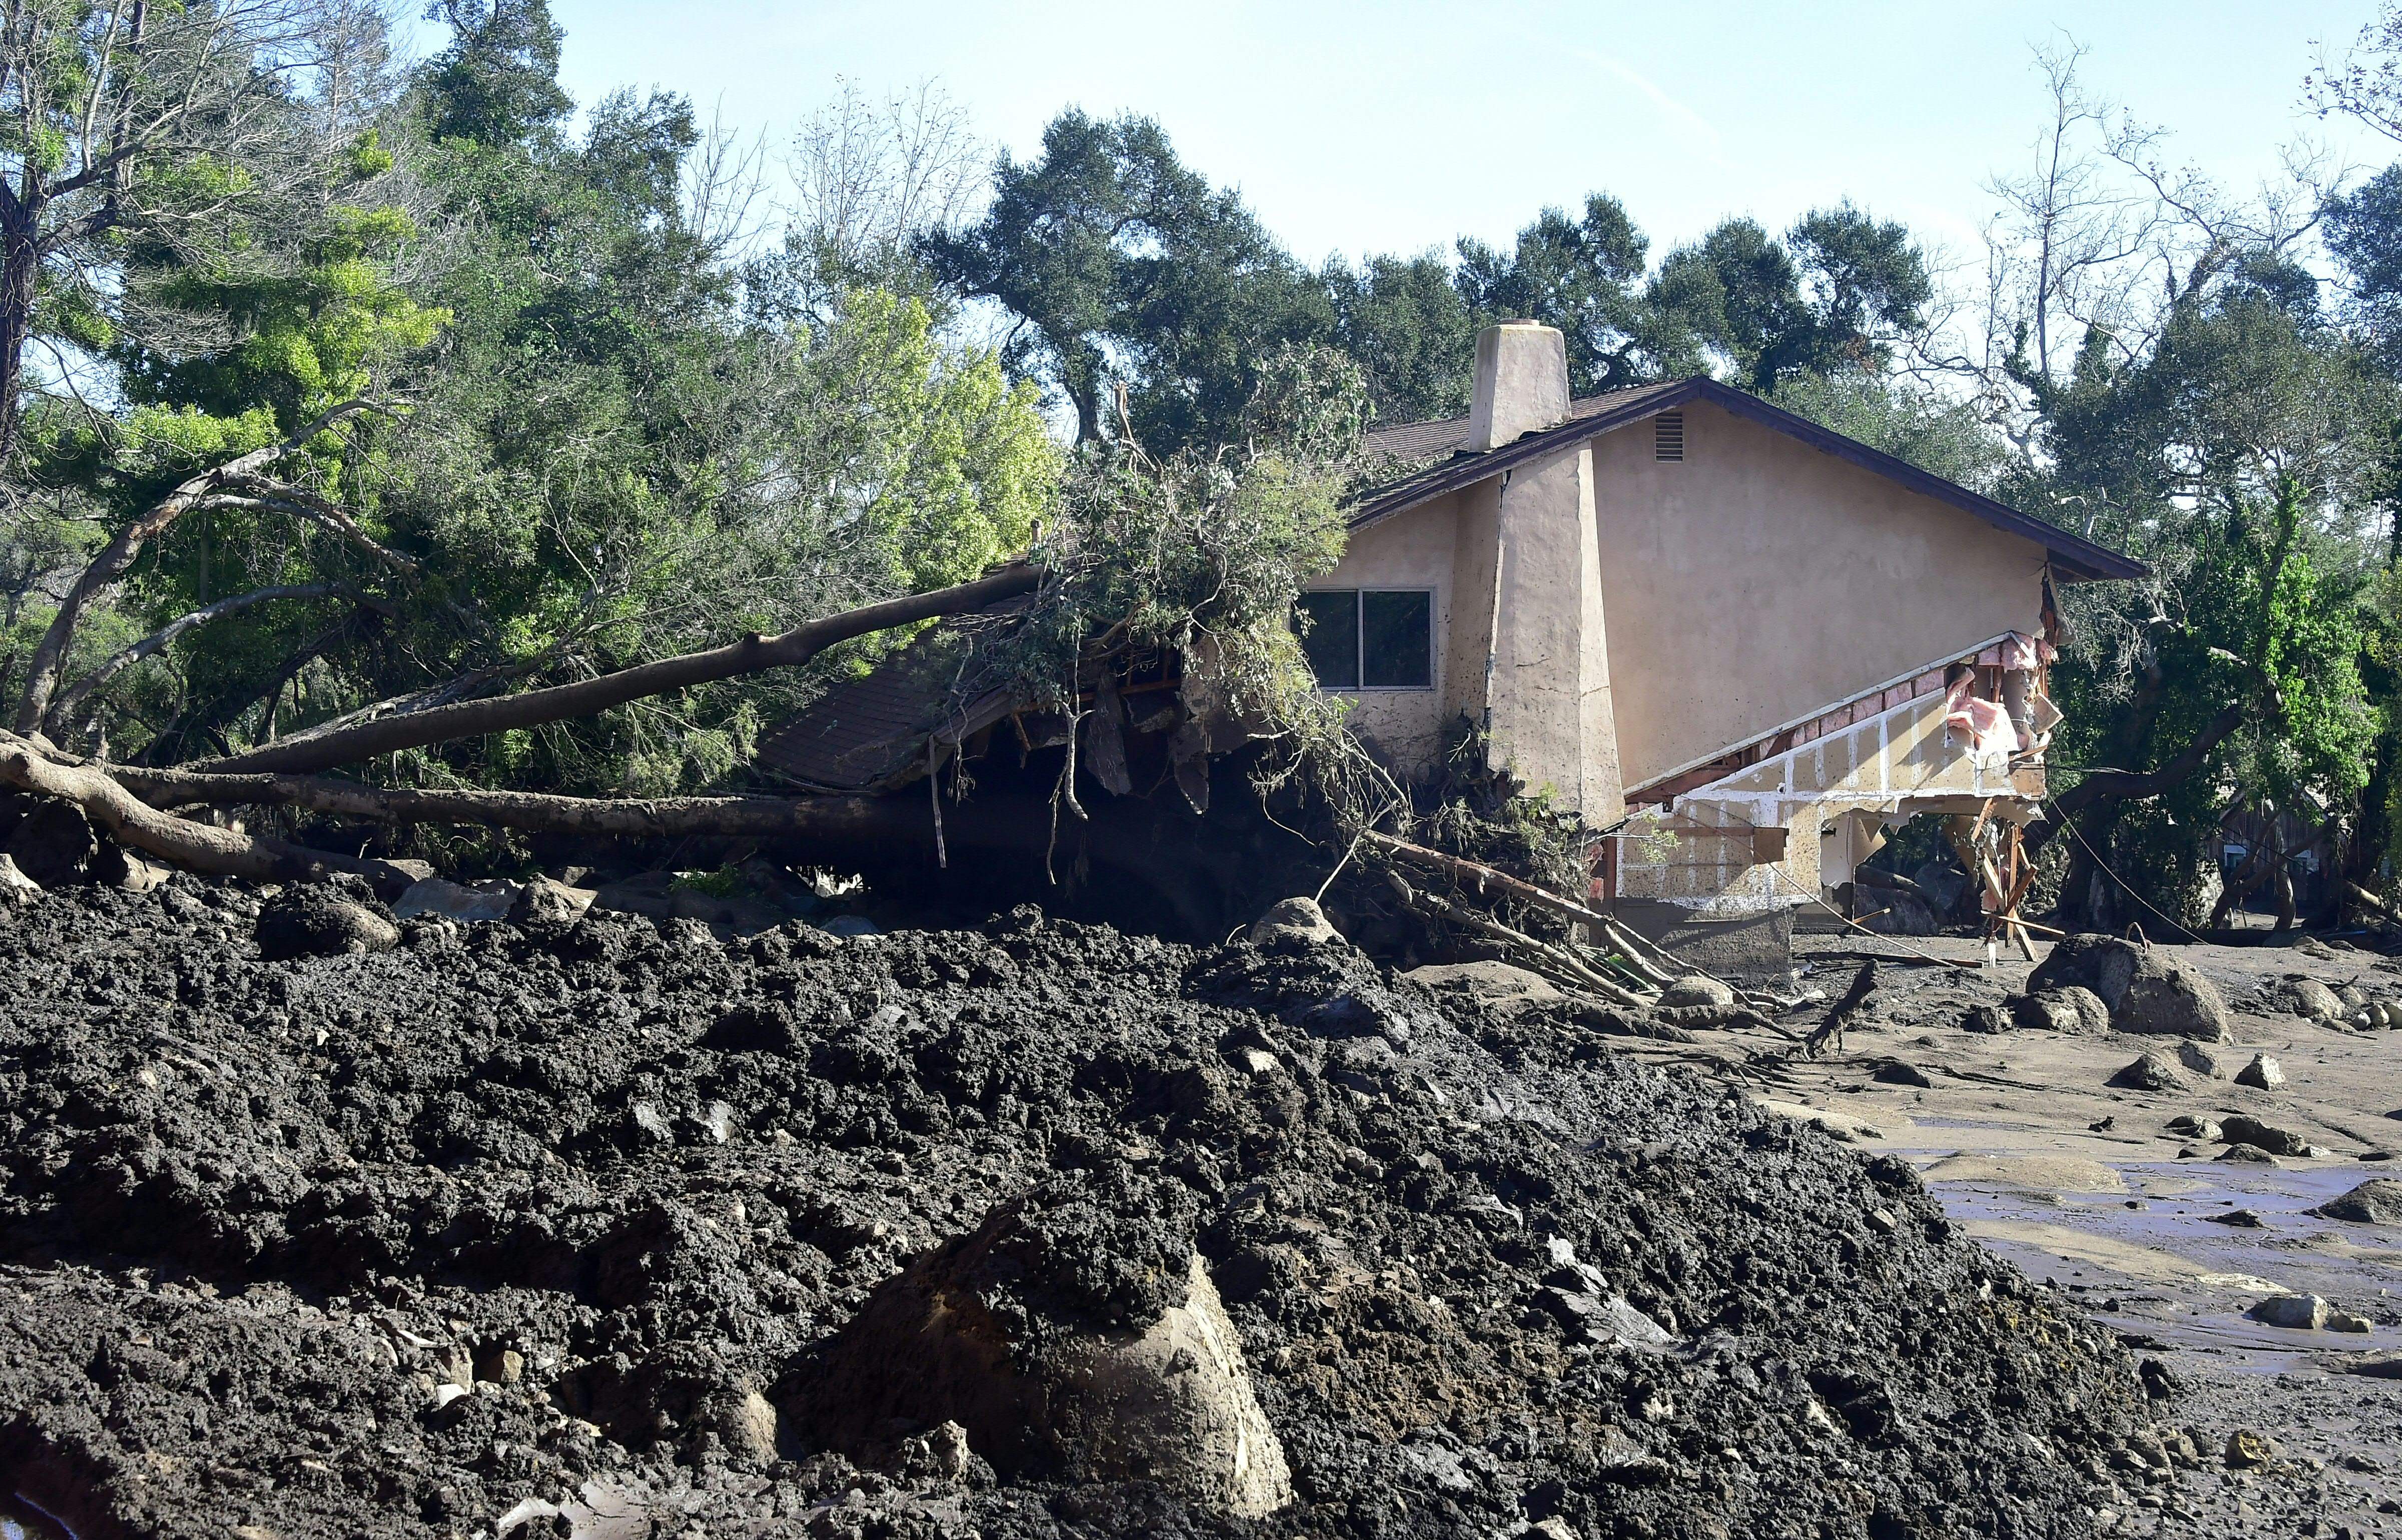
(1200, 556)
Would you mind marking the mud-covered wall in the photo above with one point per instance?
(1762, 580)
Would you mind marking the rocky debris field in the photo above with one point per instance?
(611, 1227)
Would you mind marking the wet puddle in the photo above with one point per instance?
(22, 1520)
(2153, 1262)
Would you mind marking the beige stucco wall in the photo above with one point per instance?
(1415, 550)
(1548, 706)
(1762, 580)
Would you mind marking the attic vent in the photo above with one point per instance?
(1668, 437)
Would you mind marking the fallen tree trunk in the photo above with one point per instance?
(529, 811)
(588, 697)
(195, 846)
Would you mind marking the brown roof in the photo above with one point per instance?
(1448, 435)
(871, 732)
(2075, 559)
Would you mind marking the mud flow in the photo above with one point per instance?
(615, 1227)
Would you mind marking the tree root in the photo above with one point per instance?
(28, 765)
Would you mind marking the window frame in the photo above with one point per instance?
(1359, 642)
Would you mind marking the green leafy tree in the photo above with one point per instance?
(1410, 329)
(125, 123)
(1125, 266)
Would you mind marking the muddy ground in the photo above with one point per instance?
(438, 1240)
(2085, 1185)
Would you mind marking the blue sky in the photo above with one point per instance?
(1357, 128)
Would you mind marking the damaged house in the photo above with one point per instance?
(1741, 643)
(1735, 644)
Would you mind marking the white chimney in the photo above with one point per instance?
(1521, 382)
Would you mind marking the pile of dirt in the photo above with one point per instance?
(605, 1226)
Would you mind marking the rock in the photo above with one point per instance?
(850, 927)
(2201, 1060)
(1895, 1072)
(1697, 989)
(1899, 914)
(451, 901)
(2171, 998)
(1293, 920)
(2380, 1365)
(2239, 1129)
(2353, 997)
(2144, 988)
(748, 1428)
(947, 1450)
(1065, 1340)
(2074, 1009)
(2150, 1072)
(1497, 984)
(2241, 1219)
(544, 904)
(2374, 1202)
(315, 920)
(2191, 1126)
(1985, 1019)
(2248, 1155)
(2344, 1320)
(2306, 996)
(14, 885)
(2292, 1312)
(2249, 1451)
(1943, 883)
(2103, 965)
(114, 866)
(2263, 1072)
(53, 843)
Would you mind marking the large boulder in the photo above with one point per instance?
(2150, 1072)
(2102, 964)
(325, 920)
(1696, 989)
(53, 843)
(1497, 984)
(1074, 1334)
(2073, 1010)
(2307, 997)
(2374, 1202)
(1292, 920)
(2145, 989)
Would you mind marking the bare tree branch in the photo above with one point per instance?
(587, 697)
(71, 699)
(49, 657)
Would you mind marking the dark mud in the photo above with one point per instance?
(438, 1240)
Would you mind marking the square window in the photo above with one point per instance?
(1396, 640)
(1330, 637)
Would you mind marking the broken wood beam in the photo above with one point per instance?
(1477, 872)
(1562, 961)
